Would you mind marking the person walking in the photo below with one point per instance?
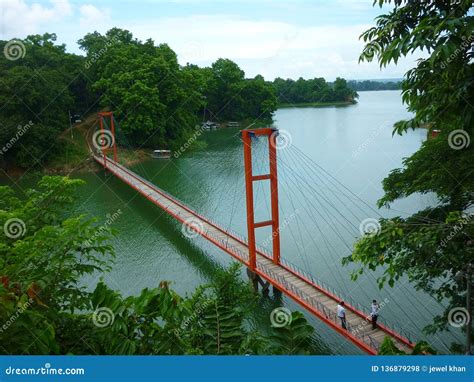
(341, 313)
(374, 313)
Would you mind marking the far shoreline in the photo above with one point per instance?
(316, 104)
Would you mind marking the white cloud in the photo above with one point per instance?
(266, 47)
(92, 16)
(18, 19)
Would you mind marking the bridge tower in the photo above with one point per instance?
(271, 135)
(103, 117)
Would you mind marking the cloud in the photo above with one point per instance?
(267, 47)
(19, 19)
(92, 16)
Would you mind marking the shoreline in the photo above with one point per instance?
(316, 104)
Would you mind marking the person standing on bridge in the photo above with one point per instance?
(374, 313)
(341, 313)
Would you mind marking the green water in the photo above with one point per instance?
(354, 144)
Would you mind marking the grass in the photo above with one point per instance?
(74, 154)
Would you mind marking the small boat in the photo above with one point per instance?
(233, 124)
(209, 125)
(161, 154)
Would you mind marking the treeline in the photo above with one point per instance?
(315, 90)
(157, 102)
(374, 85)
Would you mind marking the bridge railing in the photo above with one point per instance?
(404, 332)
(355, 330)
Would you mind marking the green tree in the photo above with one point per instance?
(45, 253)
(41, 87)
(432, 247)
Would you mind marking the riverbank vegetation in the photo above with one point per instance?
(368, 85)
(157, 102)
(45, 253)
(314, 91)
(434, 247)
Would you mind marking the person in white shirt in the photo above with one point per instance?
(341, 313)
(374, 313)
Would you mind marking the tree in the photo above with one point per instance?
(36, 93)
(44, 303)
(145, 87)
(315, 90)
(224, 98)
(434, 246)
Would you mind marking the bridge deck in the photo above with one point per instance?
(295, 284)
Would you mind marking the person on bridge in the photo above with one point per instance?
(341, 313)
(374, 313)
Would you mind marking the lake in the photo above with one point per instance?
(321, 211)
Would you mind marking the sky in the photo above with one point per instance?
(274, 38)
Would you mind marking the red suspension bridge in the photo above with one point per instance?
(266, 268)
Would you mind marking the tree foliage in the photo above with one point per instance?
(47, 308)
(36, 93)
(313, 91)
(366, 85)
(433, 247)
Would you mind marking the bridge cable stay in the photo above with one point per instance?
(364, 291)
(314, 165)
(375, 211)
(330, 220)
(374, 276)
(310, 209)
(286, 191)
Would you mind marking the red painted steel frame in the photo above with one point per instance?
(103, 115)
(271, 135)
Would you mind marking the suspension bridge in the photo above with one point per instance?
(264, 267)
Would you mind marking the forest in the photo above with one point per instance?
(315, 90)
(367, 85)
(158, 102)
